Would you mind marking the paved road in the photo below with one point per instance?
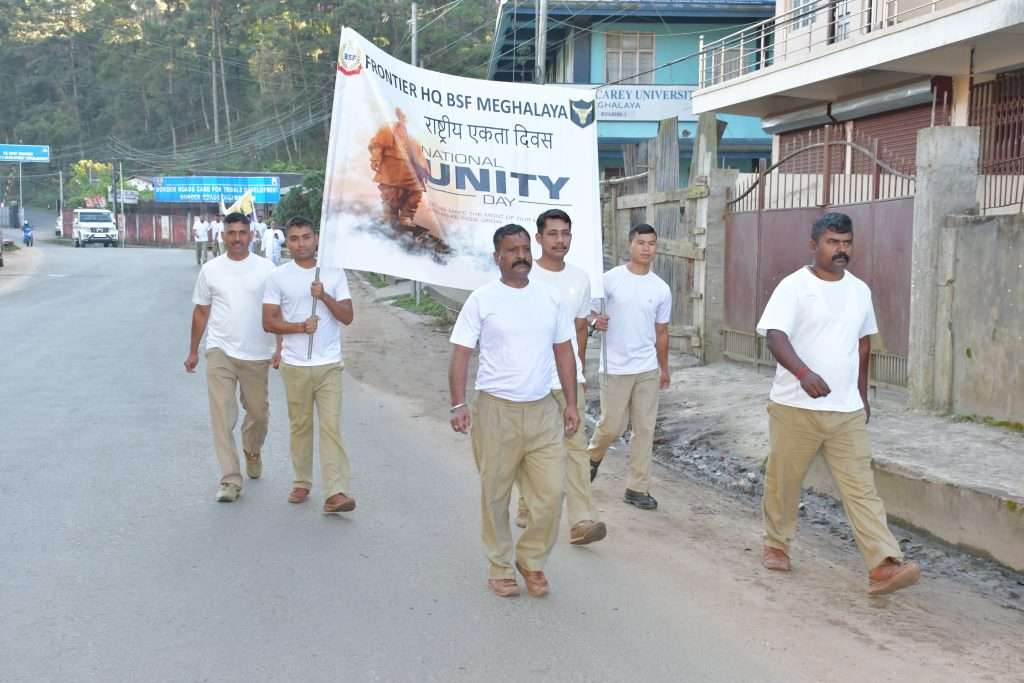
(117, 564)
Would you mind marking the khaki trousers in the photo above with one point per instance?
(224, 376)
(318, 386)
(633, 398)
(513, 440)
(215, 247)
(200, 253)
(795, 435)
(578, 501)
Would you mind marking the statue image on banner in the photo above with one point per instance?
(400, 171)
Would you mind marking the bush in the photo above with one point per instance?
(303, 200)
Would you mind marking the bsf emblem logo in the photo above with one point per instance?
(351, 61)
(581, 112)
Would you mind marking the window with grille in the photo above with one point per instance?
(628, 54)
(805, 18)
(841, 17)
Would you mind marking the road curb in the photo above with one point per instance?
(982, 521)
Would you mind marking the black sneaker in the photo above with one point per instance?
(594, 464)
(644, 501)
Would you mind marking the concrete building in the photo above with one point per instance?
(620, 42)
(880, 69)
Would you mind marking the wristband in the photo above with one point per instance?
(454, 408)
(801, 372)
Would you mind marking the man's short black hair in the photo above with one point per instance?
(508, 230)
(834, 221)
(553, 214)
(236, 217)
(298, 222)
(641, 229)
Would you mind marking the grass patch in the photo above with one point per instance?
(428, 305)
(991, 422)
(376, 280)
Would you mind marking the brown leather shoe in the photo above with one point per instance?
(892, 575)
(298, 495)
(339, 502)
(775, 559)
(503, 588)
(536, 582)
(586, 532)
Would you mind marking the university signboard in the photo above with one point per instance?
(643, 102)
(25, 153)
(214, 189)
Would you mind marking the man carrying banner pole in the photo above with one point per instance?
(639, 304)
(312, 367)
(524, 334)
(554, 234)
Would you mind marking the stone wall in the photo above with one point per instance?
(982, 265)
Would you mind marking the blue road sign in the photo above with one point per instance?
(213, 189)
(25, 153)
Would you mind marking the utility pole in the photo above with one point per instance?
(124, 223)
(113, 192)
(60, 202)
(413, 28)
(541, 44)
(21, 204)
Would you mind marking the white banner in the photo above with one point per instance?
(423, 167)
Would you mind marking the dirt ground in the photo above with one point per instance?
(944, 629)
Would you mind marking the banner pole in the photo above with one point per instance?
(309, 354)
(413, 49)
(604, 352)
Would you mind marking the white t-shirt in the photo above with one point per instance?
(634, 304)
(824, 322)
(234, 291)
(201, 231)
(573, 285)
(288, 287)
(516, 329)
(216, 230)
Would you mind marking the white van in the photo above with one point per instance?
(94, 225)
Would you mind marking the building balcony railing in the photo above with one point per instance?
(807, 29)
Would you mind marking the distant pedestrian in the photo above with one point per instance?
(216, 234)
(228, 300)
(638, 308)
(554, 235)
(518, 430)
(273, 241)
(818, 323)
(311, 380)
(201, 237)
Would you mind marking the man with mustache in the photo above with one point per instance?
(639, 305)
(524, 333)
(818, 323)
(554, 235)
(228, 300)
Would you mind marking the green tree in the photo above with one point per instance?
(305, 200)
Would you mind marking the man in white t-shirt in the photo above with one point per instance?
(635, 322)
(554, 235)
(312, 361)
(228, 300)
(217, 234)
(201, 236)
(818, 324)
(524, 334)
